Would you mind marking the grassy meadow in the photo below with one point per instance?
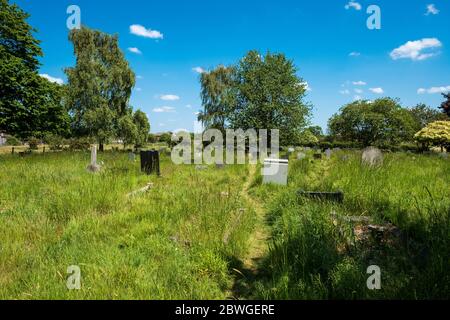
(218, 233)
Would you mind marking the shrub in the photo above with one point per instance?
(79, 144)
(55, 142)
(13, 141)
(33, 143)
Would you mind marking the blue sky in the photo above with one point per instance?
(319, 36)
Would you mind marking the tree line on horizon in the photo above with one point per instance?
(257, 92)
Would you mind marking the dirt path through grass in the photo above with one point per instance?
(248, 272)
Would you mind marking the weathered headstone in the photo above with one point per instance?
(150, 162)
(328, 153)
(276, 171)
(131, 156)
(94, 167)
(372, 157)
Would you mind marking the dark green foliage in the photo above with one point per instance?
(29, 105)
(260, 92)
(142, 124)
(382, 121)
(33, 143)
(445, 106)
(99, 86)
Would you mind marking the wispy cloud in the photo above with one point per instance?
(164, 109)
(135, 50)
(359, 83)
(198, 70)
(353, 5)
(434, 90)
(345, 92)
(141, 31)
(359, 91)
(377, 90)
(52, 79)
(354, 54)
(414, 50)
(431, 9)
(169, 97)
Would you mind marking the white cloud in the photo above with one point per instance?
(52, 79)
(359, 83)
(169, 97)
(377, 90)
(434, 90)
(198, 70)
(135, 50)
(414, 49)
(164, 109)
(188, 106)
(141, 31)
(354, 54)
(359, 91)
(305, 85)
(346, 91)
(353, 4)
(431, 9)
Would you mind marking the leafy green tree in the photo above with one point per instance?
(99, 85)
(307, 138)
(446, 104)
(128, 130)
(30, 105)
(140, 119)
(218, 97)
(424, 115)
(382, 121)
(316, 131)
(436, 133)
(270, 96)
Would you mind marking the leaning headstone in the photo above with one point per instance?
(276, 171)
(328, 153)
(94, 167)
(372, 157)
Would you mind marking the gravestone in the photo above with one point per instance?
(93, 166)
(131, 156)
(150, 162)
(372, 157)
(275, 171)
(328, 153)
(317, 156)
(444, 155)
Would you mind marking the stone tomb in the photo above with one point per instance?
(275, 171)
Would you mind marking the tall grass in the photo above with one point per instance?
(165, 244)
(315, 255)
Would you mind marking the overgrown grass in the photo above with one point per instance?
(318, 254)
(165, 244)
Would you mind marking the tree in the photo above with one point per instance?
(128, 130)
(316, 131)
(382, 121)
(446, 104)
(217, 96)
(143, 128)
(436, 133)
(424, 115)
(99, 85)
(30, 105)
(269, 95)
(307, 138)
